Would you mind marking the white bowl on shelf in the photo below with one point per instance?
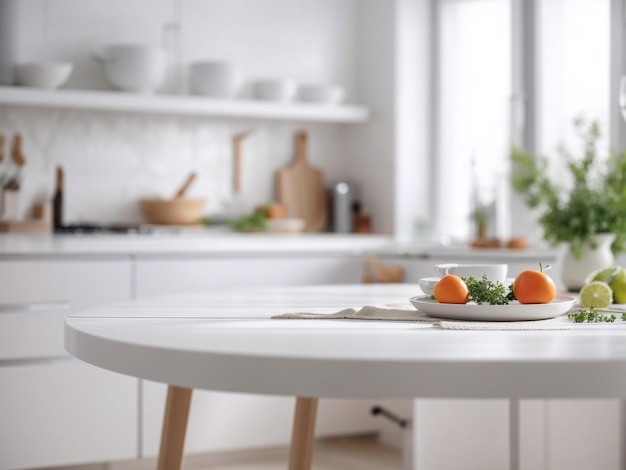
(279, 89)
(134, 67)
(325, 94)
(215, 78)
(48, 75)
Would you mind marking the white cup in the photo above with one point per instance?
(494, 272)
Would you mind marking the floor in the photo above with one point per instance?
(354, 453)
(346, 453)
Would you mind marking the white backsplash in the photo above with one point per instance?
(112, 159)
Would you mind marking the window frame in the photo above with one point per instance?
(526, 121)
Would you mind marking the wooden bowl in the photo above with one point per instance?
(175, 211)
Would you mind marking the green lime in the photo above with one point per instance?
(619, 287)
(605, 275)
(596, 294)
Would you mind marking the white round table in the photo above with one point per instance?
(226, 341)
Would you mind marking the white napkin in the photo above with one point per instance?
(405, 311)
(402, 311)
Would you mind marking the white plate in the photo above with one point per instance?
(512, 312)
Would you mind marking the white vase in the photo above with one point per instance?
(574, 271)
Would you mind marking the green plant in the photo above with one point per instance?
(593, 203)
(480, 216)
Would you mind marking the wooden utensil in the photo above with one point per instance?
(190, 179)
(237, 159)
(16, 151)
(301, 189)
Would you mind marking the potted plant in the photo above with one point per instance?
(481, 219)
(585, 211)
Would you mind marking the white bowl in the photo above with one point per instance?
(327, 94)
(135, 67)
(494, 272)
(427, 284)
(285, 225)
(280, 89)
(43, 74)
(215, 78)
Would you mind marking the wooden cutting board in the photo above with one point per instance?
(301, 189)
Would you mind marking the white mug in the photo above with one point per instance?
(494, 272)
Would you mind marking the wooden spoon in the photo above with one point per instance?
(190, 179)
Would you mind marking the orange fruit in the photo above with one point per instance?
(534, 287)
(451, 289)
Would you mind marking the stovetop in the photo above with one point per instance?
(104, 229)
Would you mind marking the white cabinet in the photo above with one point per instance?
(226, 421)
(55, 409)
(63, 412)
(37, 294)
(176, 275)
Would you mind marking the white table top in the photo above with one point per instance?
(226, 341)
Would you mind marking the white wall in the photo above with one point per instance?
(390, 153)
(113, 159)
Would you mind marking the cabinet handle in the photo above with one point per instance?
(35, 306)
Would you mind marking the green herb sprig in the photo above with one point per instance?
(255, 222)
(592, 315)
(484, 291)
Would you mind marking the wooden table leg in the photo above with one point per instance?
(301, 451)
(174, 427)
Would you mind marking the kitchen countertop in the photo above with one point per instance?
(437, 251)
(216, 243)
(199, 243)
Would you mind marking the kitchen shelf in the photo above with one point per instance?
(180, 104)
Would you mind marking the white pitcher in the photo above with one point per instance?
(575, 271)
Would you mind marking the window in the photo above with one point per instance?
(477, 61)
(573, 70)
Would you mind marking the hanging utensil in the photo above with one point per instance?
(237, 159)
(18, 158)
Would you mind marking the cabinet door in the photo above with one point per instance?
(55, 409)
(171, 276)
(583, 434)
(63, 412)
(37, 294)
(83, 282)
